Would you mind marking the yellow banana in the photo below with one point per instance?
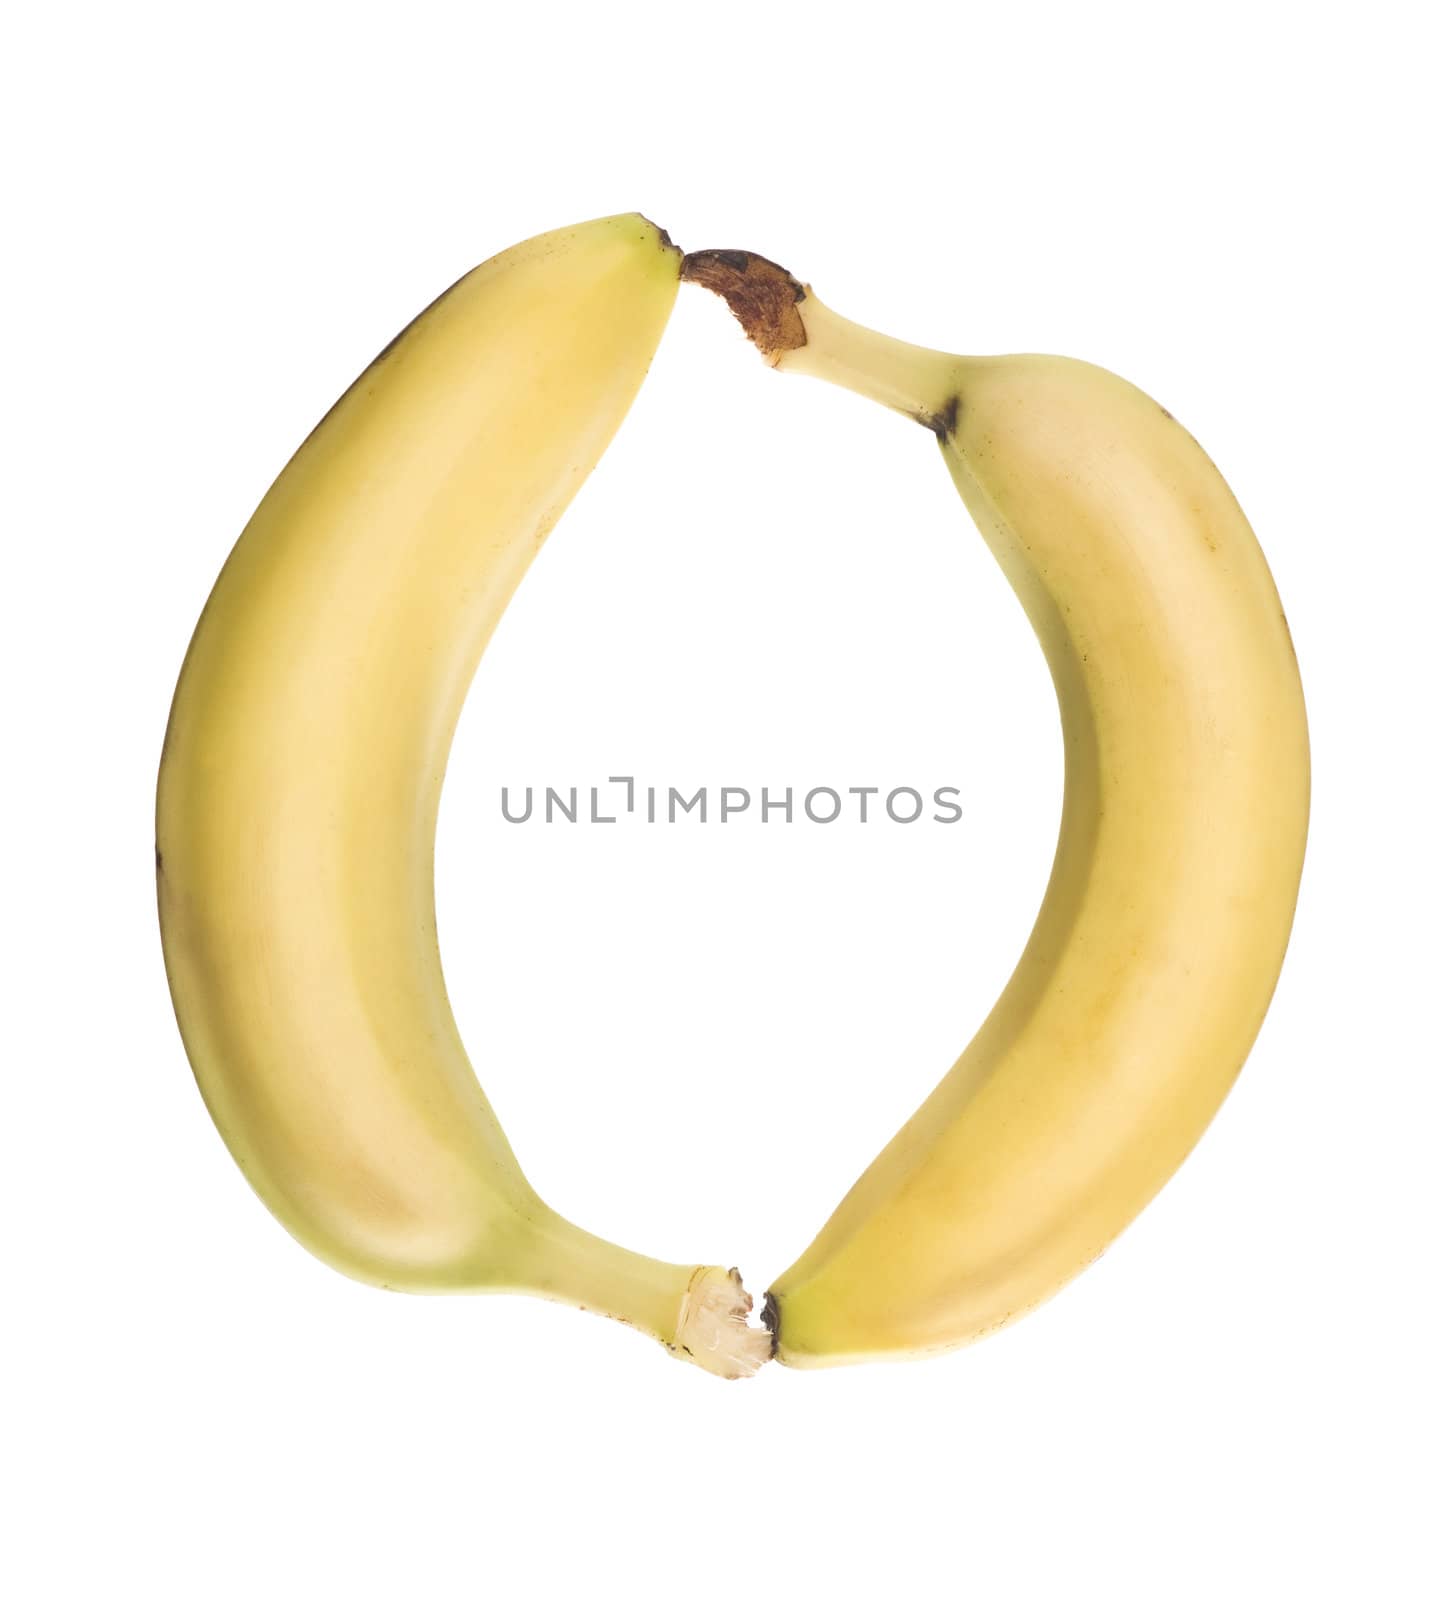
(1172, 892)
(301, 776)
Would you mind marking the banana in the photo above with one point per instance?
(301, 775)
(1172, 892)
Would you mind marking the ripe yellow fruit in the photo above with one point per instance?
(301, 778)
(1186, 805)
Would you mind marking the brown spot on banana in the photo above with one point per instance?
(941, 423)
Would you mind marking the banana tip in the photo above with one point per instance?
(664, 238)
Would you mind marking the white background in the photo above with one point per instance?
(698, 1036)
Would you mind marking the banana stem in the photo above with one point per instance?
(699, 1313)
(796, 332)
(919, 383)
